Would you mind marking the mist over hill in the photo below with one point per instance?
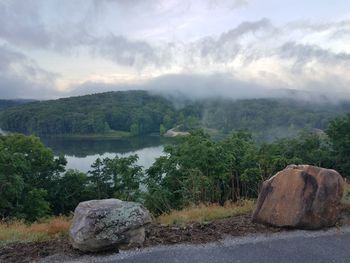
(142, 112)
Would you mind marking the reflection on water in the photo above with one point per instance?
(2, 132)
(81, 153)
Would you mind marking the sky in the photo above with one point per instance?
(236, 48)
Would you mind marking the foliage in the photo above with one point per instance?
(71, 188)
(28, 171)
(100, 180)
(196, 170)
(33, 183)
(119, 177)
(202, 170)
(162, 129)
(339, 135)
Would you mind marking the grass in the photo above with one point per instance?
(205, 213)
(346, 196)
(57, 227)
(107, 135)
(18, 231)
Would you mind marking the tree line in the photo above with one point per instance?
(136, 112)
(4, 104)
(140, 112)
(196, 169)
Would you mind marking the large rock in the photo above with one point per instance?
(104, 224)
(300, 196)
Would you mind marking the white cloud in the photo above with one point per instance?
(20, 77)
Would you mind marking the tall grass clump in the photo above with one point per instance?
(346, 196)
(19, 231)
(206, 212)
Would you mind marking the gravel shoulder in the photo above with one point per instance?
(286, 246)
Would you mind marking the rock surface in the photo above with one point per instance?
(300, 196)
(110, 223)
(173, 133)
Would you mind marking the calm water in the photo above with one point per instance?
(81, 153)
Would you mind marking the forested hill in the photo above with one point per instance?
(135, 111)
(140, 112)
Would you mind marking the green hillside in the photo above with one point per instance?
(139, 112)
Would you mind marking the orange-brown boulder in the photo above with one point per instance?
(300, 196)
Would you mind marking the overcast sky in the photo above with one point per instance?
(58, 48)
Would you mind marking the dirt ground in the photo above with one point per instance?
(156, 235)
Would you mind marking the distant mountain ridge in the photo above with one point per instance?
(11, 103)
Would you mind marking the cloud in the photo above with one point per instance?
(231, 44)
(253, 59)
(20, 77)
(168, 42)
(192, 86)
(245, 28)
(230, 4)
(202, 86)
(92, 87)
(165, 4)
(19, 24)
(182, 87)
(124, 52)
(319, 27)
(57, 26)
(26, 26)
(304, 53)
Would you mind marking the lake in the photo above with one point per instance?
(81, 153)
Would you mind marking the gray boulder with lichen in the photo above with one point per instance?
(106, 224)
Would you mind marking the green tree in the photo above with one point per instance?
(126, 176)
(11, 186)
(28, 172)
(192, 171)
(339, 135)
(101, 180)
(162, 129)
(71, 189)
(135, 129)
(35, 204)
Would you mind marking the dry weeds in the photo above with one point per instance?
(206, 213)
(18, 231)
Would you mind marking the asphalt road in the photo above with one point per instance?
(293, 246)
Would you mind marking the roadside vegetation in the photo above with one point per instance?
(205, 213)
(346, 197)
(197, 179)
(18, 231)
(15, 231)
